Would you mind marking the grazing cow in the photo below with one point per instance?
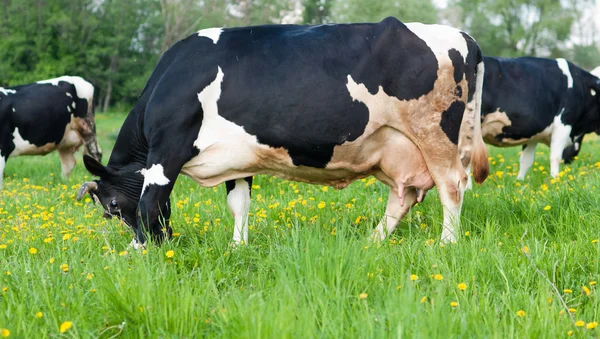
(54, 114)
(325, 104)
(531, 100)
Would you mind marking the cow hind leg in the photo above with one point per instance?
(394, 212)
(527, 156)
(238, 200)
(67, 161)
(560, 140)
(451, 195)
(2, 166)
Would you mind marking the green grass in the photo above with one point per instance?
(304, 270)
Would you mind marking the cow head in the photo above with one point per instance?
(118, 191)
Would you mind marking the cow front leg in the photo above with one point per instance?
(238, 200)
(394, 212)
(560, 140)
(67, 161)
(154, 208)
(527, 156)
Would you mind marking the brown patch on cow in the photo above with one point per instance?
(492, 126)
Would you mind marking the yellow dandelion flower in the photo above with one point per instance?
(324, 188)
(414, 277)
(592, 325)
(65, 326)
(5, 333)
(592, 283)
(462, 286)
(39, 315)
(424, 299)
(321, 205)
(89, 276)
(549, 300)
(586, 290)
(525, 249)
(64, 267)
(521, 313)
(570, 333)
(33, 250)
(579, 323)
(572, 310)
(547, 208)
(170, 254)
(438, 277)
(4, 289)
(363, 296)
(454, 303)
(593, 242)
(51, 260)
(567, 291)
(2, 246)
(123, 253)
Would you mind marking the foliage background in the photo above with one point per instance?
(115, 44)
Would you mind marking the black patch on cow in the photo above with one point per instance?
(458, 63)
(287, 85)
(452, 119)
(458, 91)
(473, 58)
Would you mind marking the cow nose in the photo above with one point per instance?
(107, 215)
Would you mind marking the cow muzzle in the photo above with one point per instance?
(86, 188)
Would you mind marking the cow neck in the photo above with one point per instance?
(131, 149)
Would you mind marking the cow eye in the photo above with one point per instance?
(113, 203)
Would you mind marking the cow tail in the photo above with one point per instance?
(479, 159)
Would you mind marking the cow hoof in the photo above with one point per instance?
(136, 245)
(235, 244)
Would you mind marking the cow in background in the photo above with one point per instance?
(530, 100)
(53, 114)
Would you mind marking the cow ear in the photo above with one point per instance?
(94, 167)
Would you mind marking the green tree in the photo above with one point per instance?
(375, 11)
(516, 27)
(317, 11)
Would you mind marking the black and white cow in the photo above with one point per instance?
(322, 104)
(530, 100)
(53, 114)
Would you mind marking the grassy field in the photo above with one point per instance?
(308, 270)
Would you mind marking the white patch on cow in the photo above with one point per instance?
(14, 110)
(211, 33)
(69, 109)
(238, 200)
(7, 91)
(69, 94)
(223, 145)
(84, 89)
(564, 67)
(596, 72)
(24, 147)
(155, 175)
(440, 44)
(2, 165)
(592, 92)
(561, 138)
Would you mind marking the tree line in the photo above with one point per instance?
(115, 44)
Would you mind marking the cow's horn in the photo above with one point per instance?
(86, 187)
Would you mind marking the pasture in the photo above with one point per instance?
(308, 270)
